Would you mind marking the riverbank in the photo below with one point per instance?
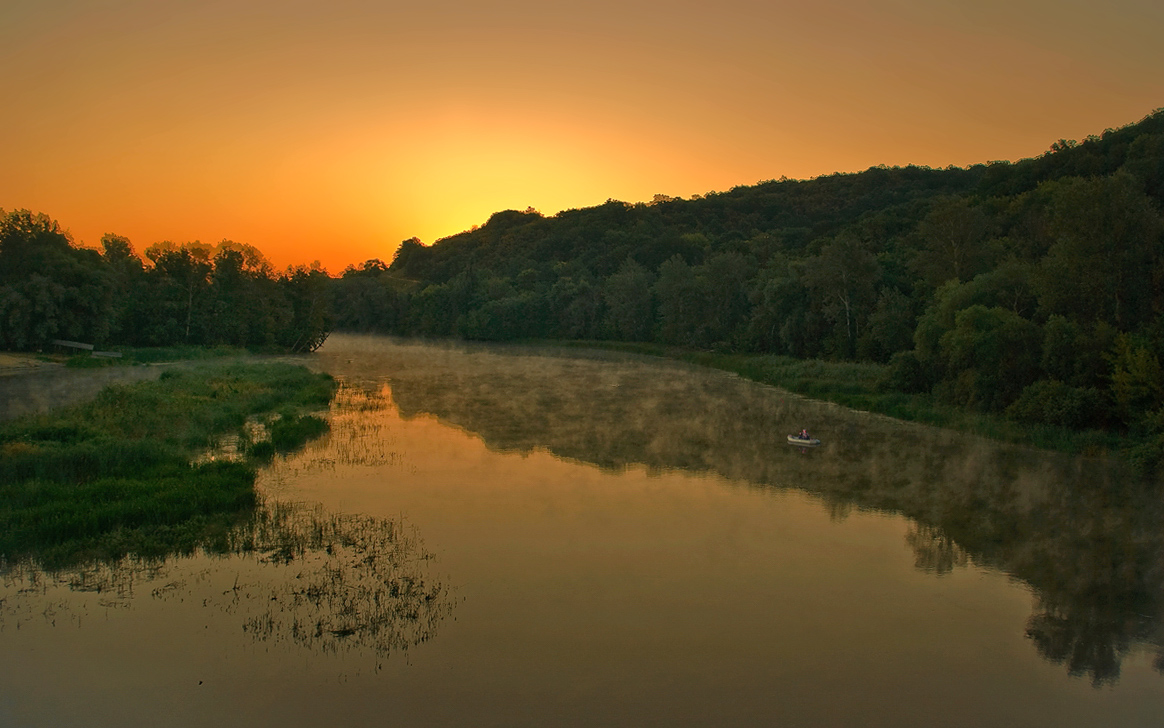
(19, 363)
(857, 385)
(116, 475)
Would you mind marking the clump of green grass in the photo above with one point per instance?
(88, 361)
(114, 476)
(173, 509)
(292, 433)
(288, 433)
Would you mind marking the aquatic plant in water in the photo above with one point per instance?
(360, 582)
(302, 577)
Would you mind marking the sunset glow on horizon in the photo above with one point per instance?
(332, 132)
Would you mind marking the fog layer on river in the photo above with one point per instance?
(618, 540)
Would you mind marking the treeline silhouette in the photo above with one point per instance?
(1034, 289)
(193, 293)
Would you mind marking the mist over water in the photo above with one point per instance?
(589, 538)
(49, 387)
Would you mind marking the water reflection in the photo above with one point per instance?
(1082, 532)
(293, 574)
(358, 582)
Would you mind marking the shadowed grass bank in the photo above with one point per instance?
(115, 476)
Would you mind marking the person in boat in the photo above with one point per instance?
(804, 435)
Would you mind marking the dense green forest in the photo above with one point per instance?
(194, 293)
(1033, 289)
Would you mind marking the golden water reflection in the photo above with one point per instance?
(1082, 532)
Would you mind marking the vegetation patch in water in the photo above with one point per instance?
(115, 476)
(288, 433)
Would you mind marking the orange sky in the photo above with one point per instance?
(332, 131)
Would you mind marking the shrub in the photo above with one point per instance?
(905, 373)
(1051, 402)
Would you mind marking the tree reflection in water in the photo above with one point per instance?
(323, 581)
(1083, 533)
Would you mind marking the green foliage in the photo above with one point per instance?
(1050, 402)
(1107, 237)
(114, 476)
(291, 433)
(49, 289)
(995, 353)
(159, 354)
(1137, 378)
(954, 238)
(890, 327)
(627, 295)
(152, 515)
(844, 279)
(187, 295)
(905, 374)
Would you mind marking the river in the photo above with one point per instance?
(508, 536)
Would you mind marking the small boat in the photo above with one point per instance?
(803, 441)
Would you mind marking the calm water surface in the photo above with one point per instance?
(510, 537)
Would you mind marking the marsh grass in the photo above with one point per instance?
(115, 476)
(286, 433)
(360, 582)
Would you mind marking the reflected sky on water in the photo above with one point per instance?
(625, 541)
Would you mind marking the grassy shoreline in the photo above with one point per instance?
(116, 475)
(855, 385)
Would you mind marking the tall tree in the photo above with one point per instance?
(628, 302)
(184, 275)
(49, 288)
(953, 235)
(844, 279)
(1107, 244)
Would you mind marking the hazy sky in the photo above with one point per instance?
(332, 131)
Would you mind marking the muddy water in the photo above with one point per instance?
(594, 539)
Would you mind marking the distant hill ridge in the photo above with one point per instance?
(800, 210)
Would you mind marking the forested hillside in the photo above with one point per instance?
(1033, 288)
(181, 294)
